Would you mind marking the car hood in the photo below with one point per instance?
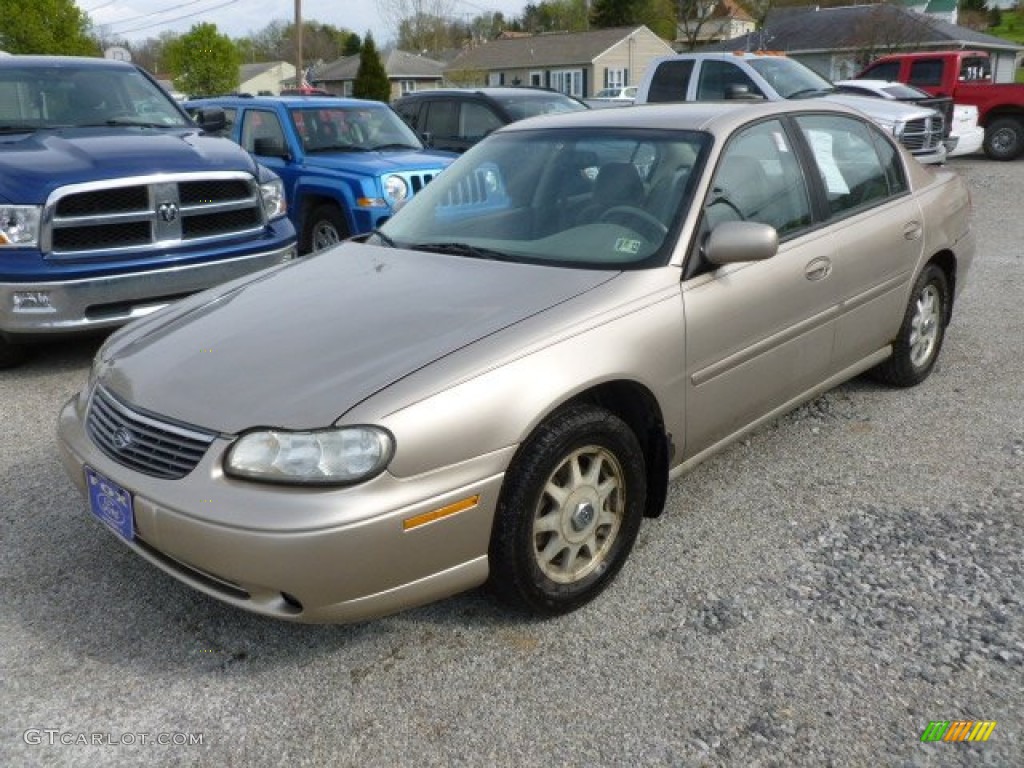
(299, 346)
(880, 109)
(32, 165)
(376, 163)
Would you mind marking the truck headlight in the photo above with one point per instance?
(396, 188)
(272, 193)
(19, 225)
(338, 456)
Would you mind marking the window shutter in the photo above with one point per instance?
(625, 76)
(606, 77)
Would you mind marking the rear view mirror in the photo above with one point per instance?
(269, 147)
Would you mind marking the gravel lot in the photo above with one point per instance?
(813, 596)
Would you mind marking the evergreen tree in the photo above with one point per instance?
(371, 79)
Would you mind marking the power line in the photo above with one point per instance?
(169, 20)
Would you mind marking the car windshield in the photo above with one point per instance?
(533, 103)
(595, 198)
(791, 79)
(363, 128)
(37, 96)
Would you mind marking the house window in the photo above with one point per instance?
(537, 79)
(569, 81)
(495, 78)
(408, 86)
(615, 78)
(346, 88)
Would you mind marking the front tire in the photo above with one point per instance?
(325, 228)
(920, 337)
(569, 511)
(1004, 138)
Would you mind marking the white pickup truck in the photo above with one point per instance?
(744, 76)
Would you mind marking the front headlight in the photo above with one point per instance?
(396, 188)
(19, 225)
(339, 456)
(272, 193)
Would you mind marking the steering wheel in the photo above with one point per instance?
(638, 220)
(729, 204)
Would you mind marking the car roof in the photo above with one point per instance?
(288, 101)
(75, 62)
(493, 91)
(713, 117)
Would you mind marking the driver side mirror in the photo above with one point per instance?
(732, 242)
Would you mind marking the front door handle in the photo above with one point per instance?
(818, 269)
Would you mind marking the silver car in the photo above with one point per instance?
(497, 386)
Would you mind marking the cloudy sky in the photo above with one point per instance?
(139, 19)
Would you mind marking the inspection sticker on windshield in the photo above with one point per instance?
(110, 503)
(627, 245)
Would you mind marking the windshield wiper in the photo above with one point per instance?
(391, 146)
(336, 148)
(460, 249)
(18, 129)
(383, 238)
(804, 93)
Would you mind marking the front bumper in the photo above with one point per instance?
(98, 303)
(968, 142)
(935, 156)
(308, 555)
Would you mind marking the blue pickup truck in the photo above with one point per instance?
(347, 164)
(113, 202)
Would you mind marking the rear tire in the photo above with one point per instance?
(325, 228)
(919, 341)
(568, 513)
(1004, 138)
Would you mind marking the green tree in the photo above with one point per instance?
(371, 78)
(617, 13)
(353, 45)
(45, 27)
(203, 62)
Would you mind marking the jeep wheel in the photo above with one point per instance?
(325, 227)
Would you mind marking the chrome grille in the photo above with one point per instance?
(923, 134)
(154, 213)
(142, 442)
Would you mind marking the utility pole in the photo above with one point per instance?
(299, 71)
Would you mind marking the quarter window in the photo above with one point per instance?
(670, 81)
(846, 155)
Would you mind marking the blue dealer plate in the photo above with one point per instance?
(111, 503)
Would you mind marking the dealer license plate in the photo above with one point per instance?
(111, 503)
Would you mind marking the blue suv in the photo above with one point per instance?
(347, 164)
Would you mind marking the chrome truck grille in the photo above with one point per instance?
(157, 213)
(924, 133)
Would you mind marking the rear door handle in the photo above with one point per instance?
(912, 230)
(818, 269)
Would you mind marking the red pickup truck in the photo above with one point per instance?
(966, 76)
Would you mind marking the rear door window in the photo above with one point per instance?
(670, 81)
